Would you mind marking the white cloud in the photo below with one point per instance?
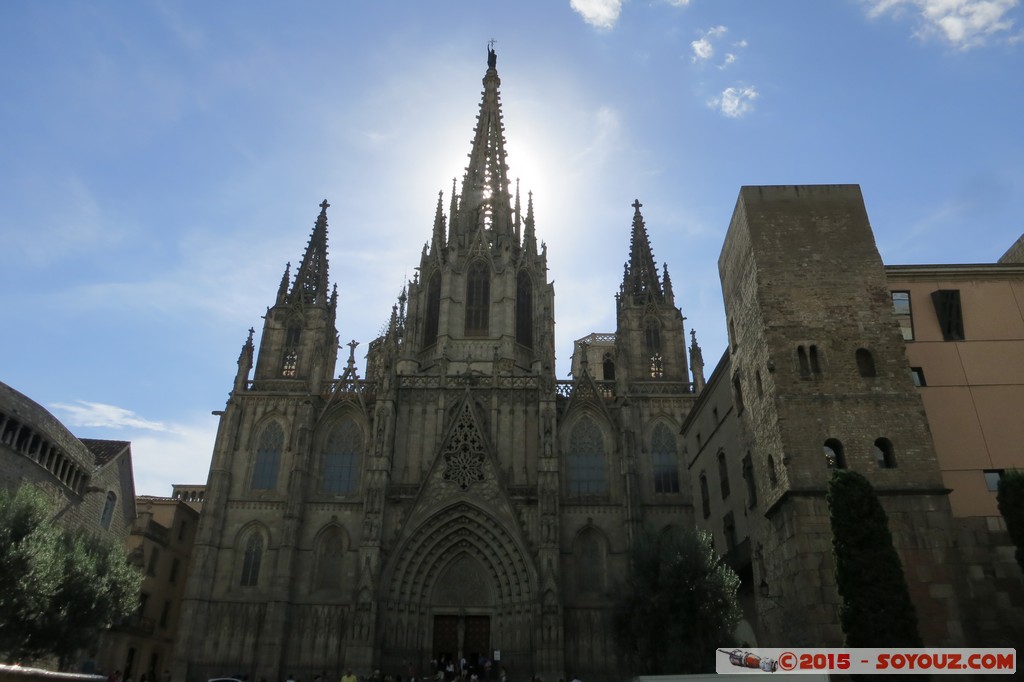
(704, 49)
(678, 3)
(180, 455)
(90, 414)
(735, 102)
(599, 13)
(962, 23)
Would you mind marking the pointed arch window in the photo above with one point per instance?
(652, 341)
(329, 556)
(341, 458)
(750, 481)
(586, 459)
(524, 309)
(268, 458)
(478, 299)
(251, 561)
(664, 460)
(433, 317)
(608, 368)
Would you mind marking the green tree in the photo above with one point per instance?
(876, 609)
(1011, 505)
(677, 606)
(58, 588)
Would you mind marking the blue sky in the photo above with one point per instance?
(161, 161)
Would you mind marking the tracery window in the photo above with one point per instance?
(268, 458)
(664, 460)
(608, 368)
(524, 309)
(341, 458)
(290, 363)
(652, 340)
(586, 460)
(433, 316)
(478, 299)
(251, 561)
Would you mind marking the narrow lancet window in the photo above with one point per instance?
(524, 310)
(478, 299)
(433, 316)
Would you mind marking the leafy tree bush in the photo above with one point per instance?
(678, 604)
(1011, 505)
(876, 609)
(58, 588)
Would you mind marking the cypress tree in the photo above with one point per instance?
(1011, 505)
(876, 610)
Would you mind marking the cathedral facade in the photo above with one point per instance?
(458, 500)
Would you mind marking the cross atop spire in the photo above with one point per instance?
(310, 286)
(641, 276)
(485, 201)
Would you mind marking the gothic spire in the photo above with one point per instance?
(529, 234)
(438, 241)
(310, 285)
(641, 278)
(485, 200)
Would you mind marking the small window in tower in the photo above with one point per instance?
(729, 530)
(805, 365)
(757, 382)
(478, 299)
(815, 361)
(951, 319)
(608, 368)
(657, 366)
(291, 362)
(901, 310)
(652, 337)
(865, 363)
(723, 474)
(917, 376)
(738, 391)
(108, 510)
(705, 496)
(834, 457)
(773, 475)
(748, 479)
(251, 561)
(885, 456)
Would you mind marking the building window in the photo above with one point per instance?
(154, 561)
(524, 309)
(917, 376)
(433, 317)
(478, 299)
(815, 361)
(885, 457)
(341, 458)
(666, 464)
(865, 363)
(773, 476)
(657, 366)
(268, 458)
(947, 309)
(652, 340)
(805, 365)
(901, 309)
(748, 479)
(608, 368)
(992, 477)
(834, 456)
(290, 364)
(586, 460)
(729, 530)
(705, 497)
(723, 474)
(757, 381)
(738, 391)
(251, 561)
(175, 567)
(108, 510)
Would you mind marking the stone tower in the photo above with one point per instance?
(820, 380)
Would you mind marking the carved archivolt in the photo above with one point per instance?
(450, 543)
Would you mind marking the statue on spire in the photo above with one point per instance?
(492, 56)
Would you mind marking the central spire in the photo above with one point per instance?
(485, 202)
(641, 276)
